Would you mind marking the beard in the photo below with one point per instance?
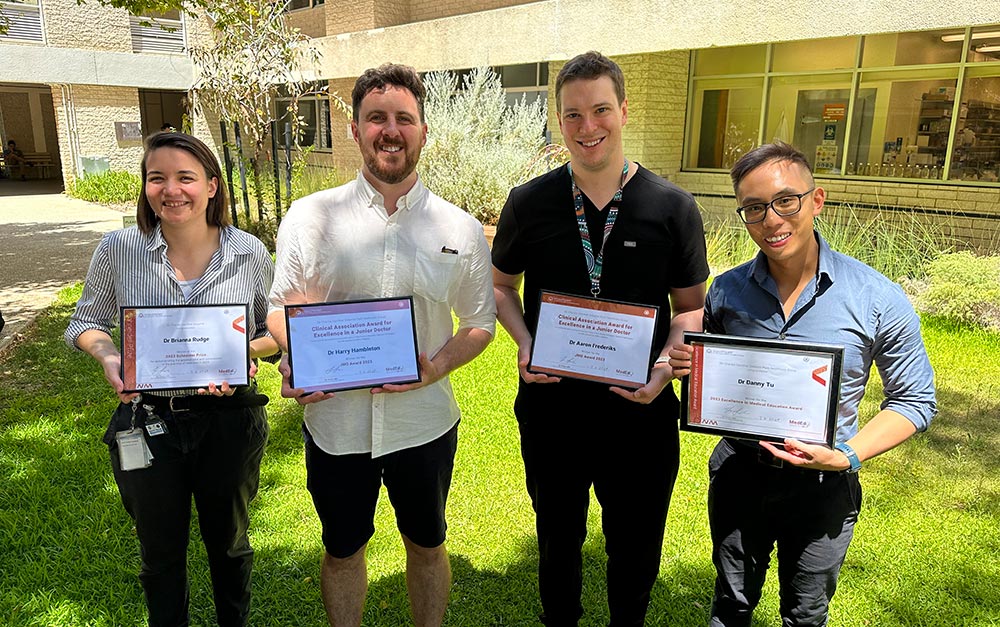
(391, 174)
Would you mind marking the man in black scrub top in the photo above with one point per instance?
(639, 240)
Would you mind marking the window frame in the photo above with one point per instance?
(975, 69)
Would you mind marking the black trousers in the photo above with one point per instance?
(629, 453)
(213, 456)
(752, 506)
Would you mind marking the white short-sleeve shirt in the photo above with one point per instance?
(341, 244)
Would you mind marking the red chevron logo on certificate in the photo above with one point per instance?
(817, 372)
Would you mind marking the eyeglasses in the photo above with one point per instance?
(784, 206)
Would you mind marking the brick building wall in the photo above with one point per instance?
(199, 30)
(656, 91)
(421, 10)
(95, 110)
(344, 153)
(657, 95)
(352, 16)
(49, 127)
(349, 16)
(17, 120)
(62, 131)
(311, 22)
(90, 26)
(392, 13)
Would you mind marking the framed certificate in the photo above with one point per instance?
(350, 345)
(595, 340)
(762, 389)
(184, 346)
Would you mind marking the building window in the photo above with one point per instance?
(24, 20)
(809, 111)
(729, 121)
(313, 113)
(158, 32)
(734, 60)
(901, 123)
(526, 80)
(984, 44)
(976, 150)
(837, 53)
(919, 105)
(920, 48)
(294, 5)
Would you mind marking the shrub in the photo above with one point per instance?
(478, 147)
(107, 187)
(961, 286)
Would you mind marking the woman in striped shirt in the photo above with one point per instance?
(205, 442)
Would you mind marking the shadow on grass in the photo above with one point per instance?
(46, 254)
(68, 555)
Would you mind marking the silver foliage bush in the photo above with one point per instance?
(478, 148)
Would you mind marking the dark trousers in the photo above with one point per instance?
(214, 456)
(630, 454)
(752, 506)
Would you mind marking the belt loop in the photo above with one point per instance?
(176, 410)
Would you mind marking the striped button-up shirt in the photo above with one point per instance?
(130, 269)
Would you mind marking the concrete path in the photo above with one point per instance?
(46, 241)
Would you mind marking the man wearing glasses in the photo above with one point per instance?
(804, 497)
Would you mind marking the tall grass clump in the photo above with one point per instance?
(111, 187)
(478, 148)
(897, 244)
(311, 179)
(728, 245)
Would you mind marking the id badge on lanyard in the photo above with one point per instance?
(133, 452)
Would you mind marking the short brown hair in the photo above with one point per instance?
(215, 214)
(590, 66)
(402, 76)
(777, 151)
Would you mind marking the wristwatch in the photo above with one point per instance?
(852, 457)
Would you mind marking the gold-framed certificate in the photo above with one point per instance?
(184, 346)
(594, 340)
(350, 345)
(759, 389)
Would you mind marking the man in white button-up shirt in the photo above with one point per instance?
(385, 235)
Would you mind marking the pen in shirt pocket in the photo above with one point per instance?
(449, 251)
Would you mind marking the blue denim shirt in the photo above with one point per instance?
(846, 304)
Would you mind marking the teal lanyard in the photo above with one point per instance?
(595, 265)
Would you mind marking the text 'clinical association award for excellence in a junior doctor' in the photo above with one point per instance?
(594, 340)
(352, 344)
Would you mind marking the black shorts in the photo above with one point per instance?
(345, 489)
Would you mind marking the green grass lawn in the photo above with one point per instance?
(925, 551)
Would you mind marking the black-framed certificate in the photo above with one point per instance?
(594, 340)
(759, 389)
(352, 344)
(184, 346)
